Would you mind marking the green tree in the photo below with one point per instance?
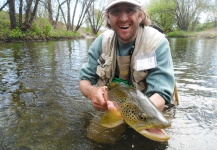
(161, 13)
(188, 11)
(182, 14)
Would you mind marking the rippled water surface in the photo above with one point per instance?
(41, 106)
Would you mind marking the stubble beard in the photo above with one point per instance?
(130, 36)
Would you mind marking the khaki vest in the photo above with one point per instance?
(108, 58)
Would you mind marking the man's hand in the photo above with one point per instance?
(99, 97)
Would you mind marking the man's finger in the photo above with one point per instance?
(105, 93)
(101, 96)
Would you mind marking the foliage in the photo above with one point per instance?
(4, 24)
(182, 15)
(204, 26)
(66, 34)
(161, 14)
(16, 33)
(41, 28)
(188, 13)
(180, 33)
(88, 29)
(36, 28)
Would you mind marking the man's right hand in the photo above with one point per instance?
(97, 95)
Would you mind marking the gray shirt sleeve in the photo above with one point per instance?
(161, 79)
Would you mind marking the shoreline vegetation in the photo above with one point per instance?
(43, 34)
(30, 36)
(42, 30)
(207, 33)
(53, 36)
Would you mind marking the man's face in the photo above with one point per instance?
(124, 19)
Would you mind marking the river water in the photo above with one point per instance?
(41, 106)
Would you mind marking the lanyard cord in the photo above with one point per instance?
(130, 53)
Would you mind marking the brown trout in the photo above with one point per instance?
(135, 109)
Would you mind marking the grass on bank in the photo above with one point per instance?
(41, 30)
(181, 34)
(208, 30)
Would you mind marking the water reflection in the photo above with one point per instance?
(40, 100)
(195, 64)
(41, 106)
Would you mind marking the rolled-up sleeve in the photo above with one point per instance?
(161, 79)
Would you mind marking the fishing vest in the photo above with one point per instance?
(108, 59)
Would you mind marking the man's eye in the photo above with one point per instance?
(130, 11)
(115, 11)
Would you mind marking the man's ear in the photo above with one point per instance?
(107, 17)
(141, 16)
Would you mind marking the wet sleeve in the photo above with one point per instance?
(161, 79)
(88, 70)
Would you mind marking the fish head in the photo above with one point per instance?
(137, 117)
(145, 123)
(140, 113)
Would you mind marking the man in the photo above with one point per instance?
(130, 52)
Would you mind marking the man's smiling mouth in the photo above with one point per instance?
(124, 27)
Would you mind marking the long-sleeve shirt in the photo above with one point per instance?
(160, 79)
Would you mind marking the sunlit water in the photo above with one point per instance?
(41, 106)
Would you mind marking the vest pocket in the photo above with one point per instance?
(139, 79)
(123, 67)
(104, 68)
(124, 71)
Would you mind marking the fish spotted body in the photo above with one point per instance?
(135, 109)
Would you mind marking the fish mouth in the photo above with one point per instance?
(155, 134)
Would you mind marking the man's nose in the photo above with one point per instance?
(123, 15)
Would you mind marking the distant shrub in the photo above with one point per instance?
(62, 33)
(40, 29)
(47, 29)
(16, 33)
(4, 24)
(88, 30)
(36, 29)
(205, 26)
(180, 33)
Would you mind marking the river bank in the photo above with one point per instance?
(54, 36)
(209, 33)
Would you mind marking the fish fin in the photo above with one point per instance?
(111, 118)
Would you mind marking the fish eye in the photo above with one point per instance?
(142, 116)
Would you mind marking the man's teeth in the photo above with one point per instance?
(124, 27)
